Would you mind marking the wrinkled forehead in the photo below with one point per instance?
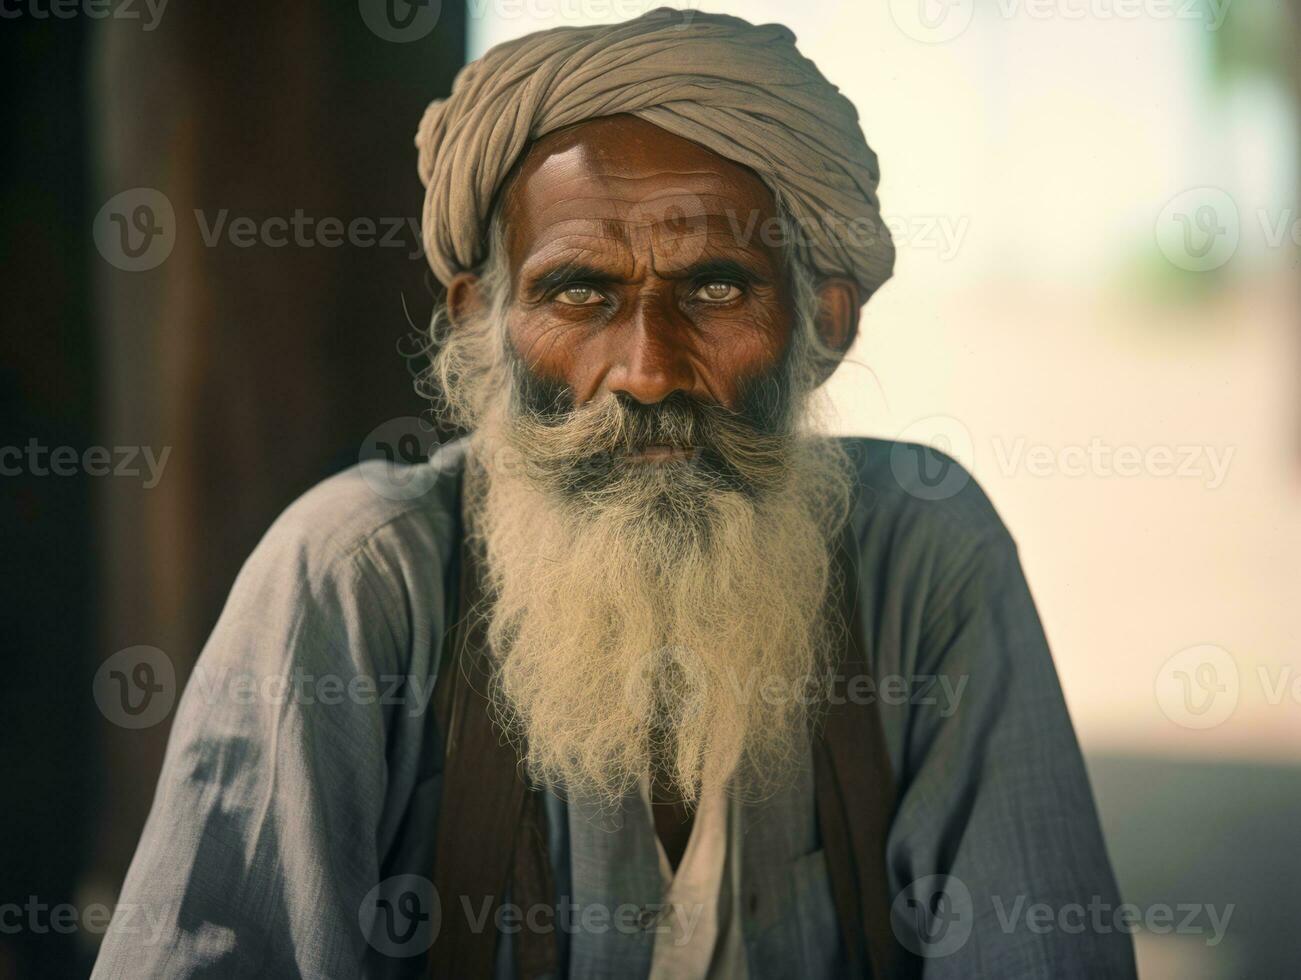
(628, 192)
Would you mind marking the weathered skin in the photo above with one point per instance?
(652, 230)
(638, 265)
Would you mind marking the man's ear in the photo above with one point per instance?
(837, 322)
(464, 298)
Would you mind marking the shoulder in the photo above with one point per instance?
(350, 578)
(383, 523)
(921, 518)
(921, 487)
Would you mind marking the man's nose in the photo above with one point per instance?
(652, 363)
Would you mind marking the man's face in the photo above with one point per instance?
(638, 267)
(655, 517)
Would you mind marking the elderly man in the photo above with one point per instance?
(647, 678)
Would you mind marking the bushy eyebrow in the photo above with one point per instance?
(551, 280)
(729, 270)
(556, 278)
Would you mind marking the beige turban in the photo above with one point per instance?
(740, 90)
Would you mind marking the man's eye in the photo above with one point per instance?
(718, 292)
(578, 296)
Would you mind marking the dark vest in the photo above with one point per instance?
(491, 835)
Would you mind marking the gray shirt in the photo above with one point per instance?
(296, 808)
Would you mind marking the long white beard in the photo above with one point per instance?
(626, 631)
(671, 620)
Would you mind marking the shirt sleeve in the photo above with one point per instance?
(284, 775)
(996, 856)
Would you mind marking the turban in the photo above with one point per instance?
(741, 90)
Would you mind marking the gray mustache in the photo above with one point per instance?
(585, 451)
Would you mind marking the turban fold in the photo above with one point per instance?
(741, 90)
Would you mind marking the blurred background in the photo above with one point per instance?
(212, 273)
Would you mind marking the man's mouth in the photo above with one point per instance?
(661, 454)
